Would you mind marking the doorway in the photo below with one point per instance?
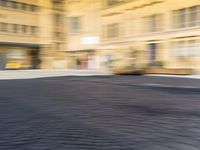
(153, 52)
(35, 59)
(2, 61)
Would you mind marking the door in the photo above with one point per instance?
(2, 61)
(35, 59)
(152, 52)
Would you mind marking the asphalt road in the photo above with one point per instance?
(100, 113)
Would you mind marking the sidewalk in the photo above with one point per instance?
(31, 74)
(197, 76)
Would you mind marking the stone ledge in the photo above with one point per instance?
(128, 72)
(170, 71)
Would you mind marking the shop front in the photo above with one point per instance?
(84, 59)
(19, 56)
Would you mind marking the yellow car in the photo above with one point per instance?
(16, 65)
(13, 65)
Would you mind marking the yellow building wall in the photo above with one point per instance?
(90, 23)
(132, 30)
(44, 38)
(95, 17)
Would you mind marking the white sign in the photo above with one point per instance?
(88, 40)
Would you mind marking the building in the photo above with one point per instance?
(32, 33)
(165, 32)
(84, 32)
(93, 34)
(54, 12)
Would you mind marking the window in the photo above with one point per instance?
(58, 34)
(33, 30)
(23, 6)
(186, 49)
(3, 3)
(192, 16)
(15, 28)
(113, 30)
(175, 19)
(154, 23)
(193, 49)
(18, 5)
(24, 29)
(182, 18)
(4, 27)
(12, 4)
(179, 18)
(58, 46)
(58, 18)
(15, 54)
(74, 24)
(181, 49)
(58, 4)
(187, 17)
(1, 26)
(33, 8)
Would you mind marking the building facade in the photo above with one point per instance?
(84, 31)
(32, 33)
(163, 32)
(94, 34)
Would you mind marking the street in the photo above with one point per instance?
(100, 113)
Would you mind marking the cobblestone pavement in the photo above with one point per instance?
(100, 113)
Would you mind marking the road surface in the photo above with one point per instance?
(100, 113)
